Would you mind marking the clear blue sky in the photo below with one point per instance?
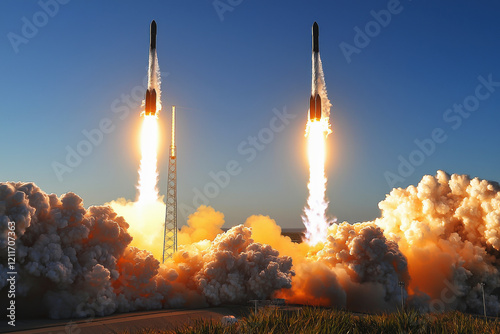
(226, 77)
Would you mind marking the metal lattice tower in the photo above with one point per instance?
(170, 236)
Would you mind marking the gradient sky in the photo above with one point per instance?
(226, 77)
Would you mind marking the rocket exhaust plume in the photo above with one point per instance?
(148, 174)
(145, 215)
(317, 129)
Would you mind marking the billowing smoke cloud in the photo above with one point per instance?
(146, 224)
(73, 261)
(232, 268)
(441, 238)
(204, 224)
(355, 262)
(448, 227)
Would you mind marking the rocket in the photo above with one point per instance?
(152, 35)
(315, 100)
(151, 92)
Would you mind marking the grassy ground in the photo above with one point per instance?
(316, 320)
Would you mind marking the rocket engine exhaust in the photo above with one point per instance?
(317, 129)
(148, 174)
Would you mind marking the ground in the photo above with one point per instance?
(117, 323)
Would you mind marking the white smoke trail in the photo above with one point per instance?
(153, 61)
(154, 77)
(318, 78)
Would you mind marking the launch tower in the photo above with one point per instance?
(170, 234)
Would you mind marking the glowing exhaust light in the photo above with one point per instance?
(148, 173)
(315, 219)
